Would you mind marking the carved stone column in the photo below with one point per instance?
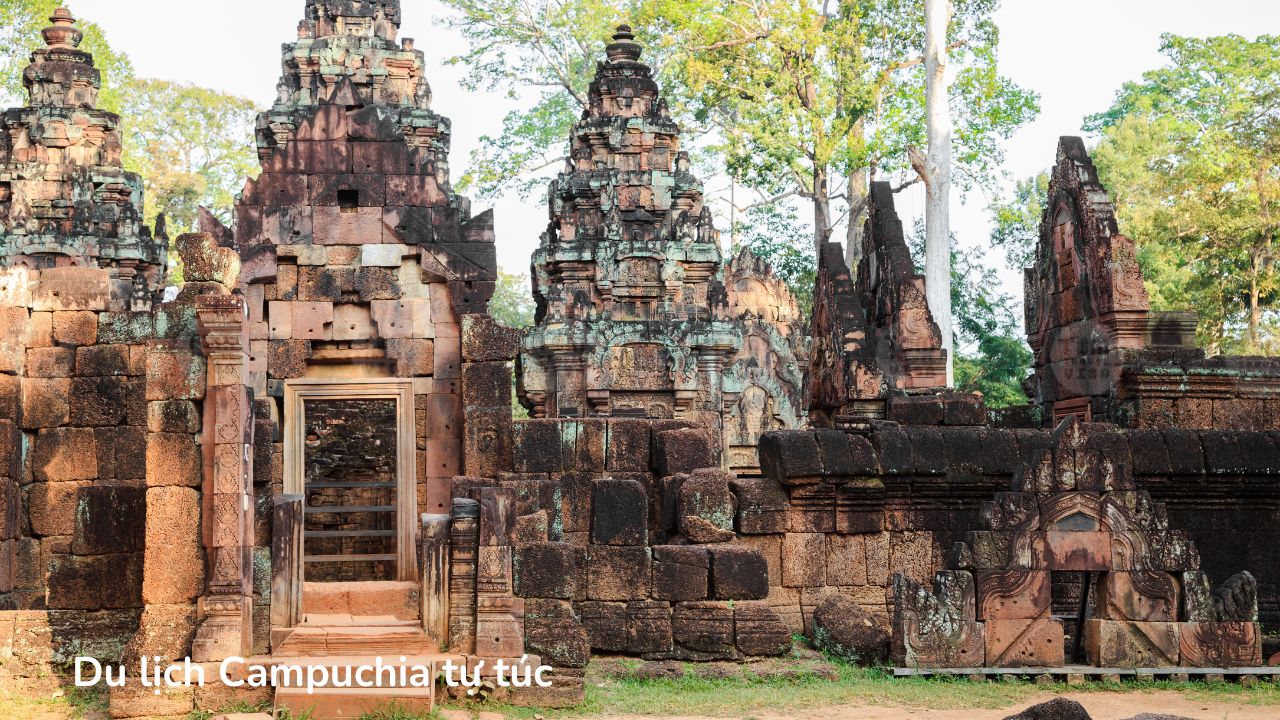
(227, 606)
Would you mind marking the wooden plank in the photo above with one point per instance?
(286, 561)
(435, 577)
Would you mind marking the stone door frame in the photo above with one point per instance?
(297, 392)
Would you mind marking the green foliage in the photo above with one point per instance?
(775, 233)
(1192, 156)
(793, 99)
(20, 24)
(992, 357)
(192, 146)
(512, 302)
(1016, 222)
(543, 52)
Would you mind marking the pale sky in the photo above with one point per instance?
(1075, 55)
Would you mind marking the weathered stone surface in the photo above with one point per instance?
(704, 508)
(174, 556)
(758, 631)
(937, 629)
(95, 582)
(704, 627)
(109, 519)
(738, 573)
(65, 454)
(617, 572)
(1055, 709)
(1141, 595)
(677, 452)
(804, 562)
(620, 512)
(1220, 644)
(1025, 643)
(554, 631)
(1013, 594)
(841, 627)
(680, 572)
(547, 569)
(1110, 643)
(173, 459)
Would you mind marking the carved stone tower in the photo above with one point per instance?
(65, 199)
(632, 309)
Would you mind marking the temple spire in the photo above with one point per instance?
(61, 74)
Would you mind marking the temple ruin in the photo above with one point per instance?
(310, 454)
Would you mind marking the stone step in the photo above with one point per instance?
(386, 640)
(352, 703)
(401, 600)
(339, 664)
(316, 619)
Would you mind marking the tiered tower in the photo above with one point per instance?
(65, 199)
(628, 279)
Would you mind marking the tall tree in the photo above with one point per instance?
(1015, 222)
(935, 170)
(1192, 155)
(512, 302)
(20, 24)
(191, 145)
(796, 100)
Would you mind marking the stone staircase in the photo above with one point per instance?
(348, 625)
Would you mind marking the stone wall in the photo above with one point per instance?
(906, 494)
(101, 417)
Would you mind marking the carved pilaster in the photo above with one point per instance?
(228, 492)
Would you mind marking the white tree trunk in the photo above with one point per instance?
(937, 212)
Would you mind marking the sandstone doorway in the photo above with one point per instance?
(349, 452)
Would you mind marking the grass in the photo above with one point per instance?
(747, 696)
(738, 697)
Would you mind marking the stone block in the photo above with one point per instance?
(174, 570)
(606, 625)
(680, 572)
(1141, 595)
(287, 359)
(46, 402)
(804, 560)
(375, 283)
(620, 513)
(173, 416)
(1013, 594)
(758, 631)
(682, 451)
(1220, 644)
(78, 327)
(627, 445)
(649, 627)
(846, 560)
(10, 397)
(13, 334)
(95, 582)
(704, 507)
(553, 631)
(1067, 550)
(762, 506)
(65, 454)
(175, 373)
(311, 320)
(738, 573)
(109, 519)
(486, 340)
(414, 357)
(791, 457)
(704, 627)
(51, 362)
(173, 459)
(547, 569)
(448, 355)
(392, 318)
(72, 289)
(486, 384)
(51, 507)
(102, 360)
(618, 572)
(1118, 644)
(98, 401)
(1025, 643)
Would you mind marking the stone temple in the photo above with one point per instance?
(309, 454)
